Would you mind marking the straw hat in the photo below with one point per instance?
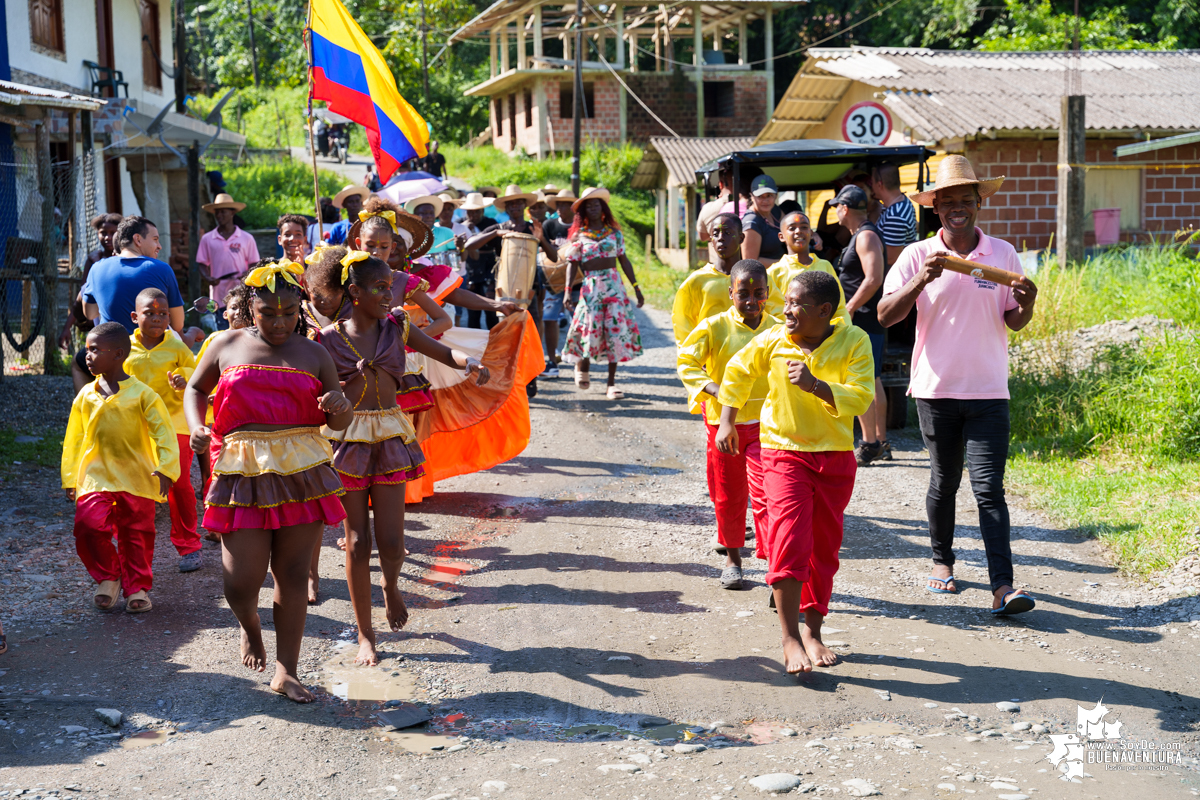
(223, 201)
(541, 197)
(594, 193)
(493, 189)
(341, 196)
(549, 189)
(426, 199)
(422, 236)
(564, 196)
(449, 199)
(956, 171)
(475, 202)
(513, 192)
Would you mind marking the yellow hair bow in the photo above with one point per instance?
(265, 276)
(390, 216)
(315, 255)
(353, 257)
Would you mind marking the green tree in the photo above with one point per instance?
(1037, 26)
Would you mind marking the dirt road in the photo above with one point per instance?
(570, 639)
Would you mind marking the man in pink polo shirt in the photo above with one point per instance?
(226, 253)
(960, 370)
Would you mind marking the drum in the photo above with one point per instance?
(556, 277)
(516, 268)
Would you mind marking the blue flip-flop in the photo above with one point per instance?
(943, 582)
(1018, 605)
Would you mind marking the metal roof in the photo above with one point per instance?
(945, 95)
(681, 157)
(20, 94)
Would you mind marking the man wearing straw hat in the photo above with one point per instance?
(514, 202)
(351, 199)
(225, 253)
(960, 370)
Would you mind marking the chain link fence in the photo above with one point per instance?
(26, 230)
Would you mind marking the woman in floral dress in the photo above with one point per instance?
(602, 324)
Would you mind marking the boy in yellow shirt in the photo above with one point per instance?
(796, 233)
(701, 363)
(120, 455)
(164, 363)
(705, 292)
(820, 375)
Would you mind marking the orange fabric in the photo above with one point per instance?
(476, 428)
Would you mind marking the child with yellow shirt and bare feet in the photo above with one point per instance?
(120, 456)
(820, 375)
(702, 360)
(163, 362)
(797, 235)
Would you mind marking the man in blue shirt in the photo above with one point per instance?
(351, 199)
(113, 284)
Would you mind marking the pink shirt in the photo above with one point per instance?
(961, 351)
(228, 260)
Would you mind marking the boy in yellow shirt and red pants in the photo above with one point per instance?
(701, 363)
(820, 375)
(120, 456)
(163, 362)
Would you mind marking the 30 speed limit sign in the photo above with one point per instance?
(867, 123)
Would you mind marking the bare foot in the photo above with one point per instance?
(289, 685)
(367, 656)
(341, 543)
(254, 654)
(314, 586)
(794, 658)
(397, 611)
(810, 635)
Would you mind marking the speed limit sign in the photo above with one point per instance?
(867, 123)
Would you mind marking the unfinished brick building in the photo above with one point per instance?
(660, 53)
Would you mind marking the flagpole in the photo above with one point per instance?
(312, 142)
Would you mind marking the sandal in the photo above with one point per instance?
(582, 379)
(109, 589)
(615, 394)
(945, 582)
(1019, 604)
(138, 597)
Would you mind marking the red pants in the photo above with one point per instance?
(733, 479)
(807, 495)
(182, 499)
(99, 516)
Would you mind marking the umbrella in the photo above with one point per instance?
(415, 175)
(403, 191)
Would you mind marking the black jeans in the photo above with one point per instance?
(981, 429)
(485, 287)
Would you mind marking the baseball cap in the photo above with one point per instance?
(763, 184)
(852, 197)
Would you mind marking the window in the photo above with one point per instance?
(1115, 188)
(151, 74)
(566, 100)
(528, 109)
(718, 98)
(46, 25)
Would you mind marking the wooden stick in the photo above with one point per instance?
(981, 271)
(312, 143)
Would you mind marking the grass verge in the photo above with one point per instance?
(46, 451)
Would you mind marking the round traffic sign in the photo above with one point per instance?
(867, 123)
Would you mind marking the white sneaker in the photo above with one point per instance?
(551, 370)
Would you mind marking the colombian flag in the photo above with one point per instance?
(350, 75)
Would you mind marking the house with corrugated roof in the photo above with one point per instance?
(1002, 111)
(647, 69)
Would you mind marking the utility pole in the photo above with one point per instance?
(1072, 152)
(424, 51)
(577, 95)
(200, 49)
(180, 58)
(253, 49)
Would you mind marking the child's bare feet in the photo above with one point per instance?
(341, 543)
(254, 654)
(397, 611)
(314, 587)
(794, 658)
(289, 685)
(367, 656)
(810, 636)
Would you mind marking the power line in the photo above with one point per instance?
(641, 103)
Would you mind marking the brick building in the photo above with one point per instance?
(657, 53)
(1001, 110)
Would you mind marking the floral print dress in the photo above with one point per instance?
(603, 328)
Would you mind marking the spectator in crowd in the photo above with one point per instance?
(105, 226)
(329, 216)
(435, 162)
(225, 253)
(760, 223)
(898, 220)
(350, 199)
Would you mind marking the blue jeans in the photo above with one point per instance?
(981, 429)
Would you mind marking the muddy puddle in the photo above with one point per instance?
(344, 679)
(143, 739)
